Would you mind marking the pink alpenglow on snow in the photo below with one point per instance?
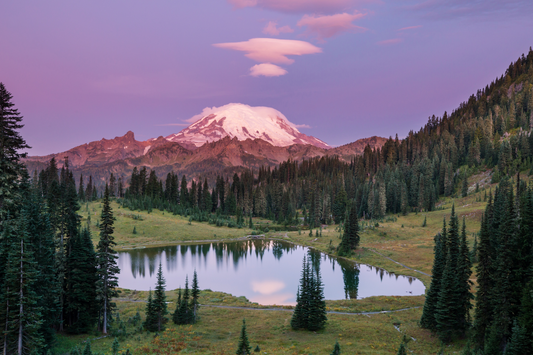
(328, 26)
(243, 122)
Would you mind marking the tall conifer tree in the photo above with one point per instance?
(107, 268)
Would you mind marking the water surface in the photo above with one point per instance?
(264, 271)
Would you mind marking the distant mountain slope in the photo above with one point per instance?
(243, 122)
(121, 154)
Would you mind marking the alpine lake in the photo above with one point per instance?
(264, 271)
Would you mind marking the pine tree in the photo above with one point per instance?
(317, 305)
(151, 323)
(336, 349)
(450, 306)
(159, 302)
(87, 350)
(428, 319)
(11, 168)
(464, 190)
(484, 308)
(519, 341)
(465, 270)
(21, 317)
(350, 238)
(195, 294)
(244, 347)
(80, 308)
(176, 316)
(107, 268)
(401, 349)
(115, 347)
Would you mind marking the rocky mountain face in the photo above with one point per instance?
(223, 140)
(243, 122)
(225, 156)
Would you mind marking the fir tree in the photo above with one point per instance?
(428, 319)
(11, 168)
(195, 294)
(159, 302)
(115, 347)
(107, 268)
(350, 238)
(465, 270)
(80, 308)
(87, 350)
(336, 349)
(244, 347)
(317, 305)
(464, 190)
(151, 323)
(484, 308)
(176, 316)
(450, 306)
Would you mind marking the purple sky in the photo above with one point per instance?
(81, 71)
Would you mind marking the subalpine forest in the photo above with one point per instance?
(53, 279)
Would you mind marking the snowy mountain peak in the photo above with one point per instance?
(242, 122)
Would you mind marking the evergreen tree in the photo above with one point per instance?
(465, 270)
(107, 268)
(449, 311)
(350, 238)
(244, 347)
(195, 294)
(151, 323)
(87, 350)
(484, 309)
(159, 302)
(519, 342)
(80, 309)
(336, 349)
(317, 305)
(11, 168)
(176, 316)
(428, 319)
(401, 349)
(115, 347)
(21, 317)
(464, 190)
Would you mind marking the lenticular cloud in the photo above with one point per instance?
(271, 50)
(267, 69)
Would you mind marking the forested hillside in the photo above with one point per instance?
(490, 131)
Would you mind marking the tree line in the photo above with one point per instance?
(51, 277)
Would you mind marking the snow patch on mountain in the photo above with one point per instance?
(242, 122)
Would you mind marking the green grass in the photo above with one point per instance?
(217, 331)
(155, 228)
(403, 240)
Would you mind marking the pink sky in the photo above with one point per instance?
(344, 69)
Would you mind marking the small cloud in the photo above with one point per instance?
(272, 29)
(173, 124)
(302, 126)
(239, 4)
(390, 41)
(328, 26)
(271, 50)
(267, 69)
(301, 6)
(409, 28)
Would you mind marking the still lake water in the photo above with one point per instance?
(264, 271)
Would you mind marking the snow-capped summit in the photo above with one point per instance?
(242, 122)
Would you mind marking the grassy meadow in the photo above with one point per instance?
(404, 239)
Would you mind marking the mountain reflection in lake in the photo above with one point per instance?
(264, 271)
